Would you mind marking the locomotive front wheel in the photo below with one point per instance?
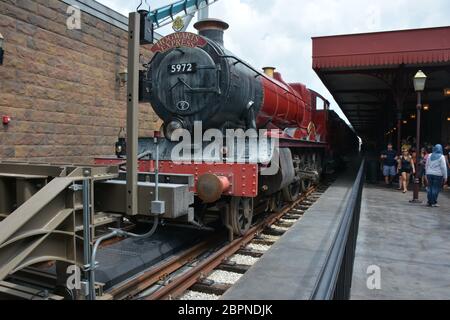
(292, 191)
(241, 214)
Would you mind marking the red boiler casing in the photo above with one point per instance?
(284, 105)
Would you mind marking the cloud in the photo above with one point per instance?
(278, 32)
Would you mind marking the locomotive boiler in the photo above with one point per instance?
(207, 83)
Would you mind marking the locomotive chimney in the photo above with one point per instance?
(212, 29)
(269, 71)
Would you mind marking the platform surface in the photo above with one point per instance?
(410, 244)
(290, 268)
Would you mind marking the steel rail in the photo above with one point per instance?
(151, 276)
(182, 283)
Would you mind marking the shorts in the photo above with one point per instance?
(389, 171)
(408, 171)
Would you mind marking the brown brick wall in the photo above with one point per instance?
(59, 86)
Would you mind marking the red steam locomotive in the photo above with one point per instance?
(200, 89)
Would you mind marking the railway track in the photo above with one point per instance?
(208, 269)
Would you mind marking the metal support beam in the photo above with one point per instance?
(132, 112)
(418, 152)
(87, 229)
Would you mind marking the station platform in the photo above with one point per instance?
(291, 267)
(410, 244)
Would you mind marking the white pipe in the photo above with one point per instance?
(203, 12)
(188, 18)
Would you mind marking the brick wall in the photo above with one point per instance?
(59, 86)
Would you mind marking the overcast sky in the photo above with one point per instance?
(278, 32)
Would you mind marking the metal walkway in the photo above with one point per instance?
(41, 213)
(410, 244)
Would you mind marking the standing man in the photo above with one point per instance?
(389, 159)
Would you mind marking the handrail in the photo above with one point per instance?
(170, 10)
(334, 281)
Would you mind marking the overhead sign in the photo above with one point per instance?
(179, 39)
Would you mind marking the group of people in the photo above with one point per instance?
(433, 168)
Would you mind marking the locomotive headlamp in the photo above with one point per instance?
(1, 48)
(419, 81)
(426, 107)
(171, 127)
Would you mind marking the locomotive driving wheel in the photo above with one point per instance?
(241, 214)
(292, 191)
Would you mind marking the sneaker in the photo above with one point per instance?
(436, 205)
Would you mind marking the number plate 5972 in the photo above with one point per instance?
(182, 68)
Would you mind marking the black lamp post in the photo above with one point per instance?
(1, 49)
(419, 86)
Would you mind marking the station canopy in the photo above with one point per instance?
(371, 75)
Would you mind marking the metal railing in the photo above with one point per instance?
(335, 279)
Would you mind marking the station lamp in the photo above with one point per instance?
(419, 86)
(1, 48)
(419, 81)
(426, 107)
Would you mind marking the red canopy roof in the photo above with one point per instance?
(382, 48)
